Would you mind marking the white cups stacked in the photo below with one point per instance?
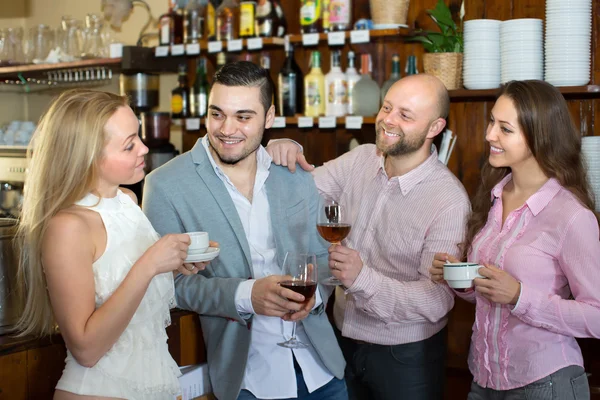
(481, 62)
(590, 147)
(522, 49)
(568, 39)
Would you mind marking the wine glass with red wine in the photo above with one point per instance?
(303, 270)
(334, 225)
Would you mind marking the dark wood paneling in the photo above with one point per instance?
(13, 376)
(44, 368)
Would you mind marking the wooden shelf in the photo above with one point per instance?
(373, 33)
(340, 122)
(579, 92)
(39, 68)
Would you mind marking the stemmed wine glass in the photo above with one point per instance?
(303, 270)
(333, 224)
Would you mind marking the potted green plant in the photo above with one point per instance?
(444, 49)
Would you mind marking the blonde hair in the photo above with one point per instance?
(63, 167)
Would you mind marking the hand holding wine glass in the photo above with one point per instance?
(334, 225)
(302, 268)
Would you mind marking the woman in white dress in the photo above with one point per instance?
(91, 263)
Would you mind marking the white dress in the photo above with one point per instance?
(138, 365)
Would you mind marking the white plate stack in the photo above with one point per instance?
(522, 49)
(568, 39)
(590, 147)
(481, 59)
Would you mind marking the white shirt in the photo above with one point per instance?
(270, 370)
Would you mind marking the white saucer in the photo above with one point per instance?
(210, 254)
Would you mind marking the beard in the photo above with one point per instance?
(403, 146)
(249, 148)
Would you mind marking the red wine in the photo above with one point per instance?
(306, 289)
(333, 233)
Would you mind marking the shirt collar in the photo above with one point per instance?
(536, 202)
(263, 159)
(412, 178)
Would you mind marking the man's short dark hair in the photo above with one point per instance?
(245, 73)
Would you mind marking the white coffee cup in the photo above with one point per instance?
(460, 275)
(199, 242)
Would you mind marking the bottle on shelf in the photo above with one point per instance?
(314, 88)
(210, 19)
(170, 26)
(336, 88)
(352, 76)
(366, 92)
(221, 60)
(270, 20)
(248, 18)
(340, 15)
(265, 62)
(193, 22)
(310, 16)
(411, 66)
(290, 85)
(180, 96)
(394, 76)
(325, 21)
(199, 92)
(228, 18)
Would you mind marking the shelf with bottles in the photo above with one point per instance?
(217, 46)
(340, 38)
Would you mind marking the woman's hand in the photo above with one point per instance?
(497, 285)
(168, 253)
(437, 267)
(194, 268)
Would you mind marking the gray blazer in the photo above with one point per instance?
(185, 195)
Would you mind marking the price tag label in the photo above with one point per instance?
(326, 122)
(215, 47)
(177, 49)
(192, 124)
(161, 51)
(360, 36)
(310, 39)
(354, 122)
(192, 49)
(279, 122)
(234, 45)
(305, 122)
(255, 43)
(116, 50)
(336, 38)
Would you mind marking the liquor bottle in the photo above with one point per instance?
(180, 96)
(366, 92)
(394, 76)
(227, 16)
(310, 16)
(336, 88)
(290, 84)
(265, 62)
(270, 20)
(221, 60)
(314, 88)
(193, 22)
(247, 18)
(170, 27)
(210, 20)
(340, 15)
(411, 66)
(325, 21)
(199, 92)
(352, 76)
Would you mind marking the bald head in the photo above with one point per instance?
(427, 90)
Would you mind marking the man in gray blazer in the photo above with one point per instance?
(257, 212)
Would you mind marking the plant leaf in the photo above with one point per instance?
(442, 16)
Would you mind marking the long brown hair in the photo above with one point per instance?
(554, 141)
(63, 167)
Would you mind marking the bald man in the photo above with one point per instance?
(405, 205)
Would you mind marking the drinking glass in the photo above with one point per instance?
(303, 270)
(333, 224)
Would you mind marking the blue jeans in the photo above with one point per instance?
(335, 389)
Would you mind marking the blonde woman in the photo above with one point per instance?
(91, 263)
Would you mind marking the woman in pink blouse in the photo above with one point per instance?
(534, 231)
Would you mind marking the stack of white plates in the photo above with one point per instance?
(521, 49)
(568, 39)
(481, 59)
(590, 147)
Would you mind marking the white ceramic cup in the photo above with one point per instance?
(199, 242)
(460, 275)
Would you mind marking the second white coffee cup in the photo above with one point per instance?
(460, 275)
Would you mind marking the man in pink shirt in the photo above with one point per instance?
(405, 205)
